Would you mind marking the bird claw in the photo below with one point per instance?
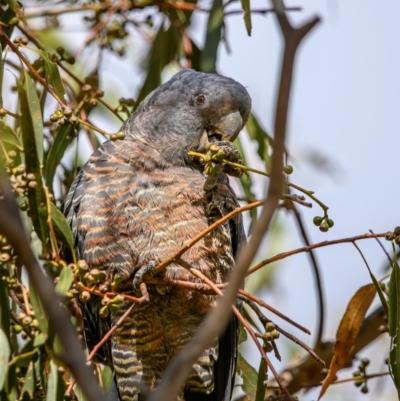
(138, 284)
(223, 150)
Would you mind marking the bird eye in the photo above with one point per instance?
(200, 99)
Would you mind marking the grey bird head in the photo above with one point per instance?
(189, 110)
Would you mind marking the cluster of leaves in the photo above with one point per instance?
(54, 105)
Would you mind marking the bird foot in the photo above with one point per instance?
(138, 284)
(219, 151)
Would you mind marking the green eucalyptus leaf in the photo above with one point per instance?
(55, 154)
(39, 340)
(247, 15)
(1, 74)
(261, 387)
(29, 383)
(35, 114)
(5, 352)
(52, 72)
(40, 314)
(249, 376)
(246, 181)
(5, 18)
(36, 196)
(213, 37)
(164, 49)
(4, 308)
(9, 136)
(10, 389)
(55, 384)
(256, 133)
(62, 226)
(79, 393)
(65, 281)
(107, 377)
(394, 322)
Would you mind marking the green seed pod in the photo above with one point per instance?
(220, 154)
(267, 346)
(117, 300)
(288, 169)
(4, 257)
(35, 324)
(113, 308)
(73, 120)
(118, 279)
(26, 321)
(214, 148)
(105, 301)
(23, 206)
(86, 88)
(209, 170)
(317, 220)
(120, 136)
(113, 137)
(324, 227)
(53, 118)
(84, 296)
(389, 236)
(364, 390)
(365, 362)
(60, 50)
(89, 279)
(67, 112)
(17, 328)
(104, 312)
(82, 265)
(270, 326)
(275, 334)
(330, 222)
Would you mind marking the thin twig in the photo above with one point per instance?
(383, 248)
(264, 320)
(259, 301)
(30, 68)
(199, 236)
(102, 341)
(317, 276)
(308, 248)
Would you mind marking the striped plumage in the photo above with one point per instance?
(138, 201)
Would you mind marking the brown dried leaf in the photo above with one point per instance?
(348, 331)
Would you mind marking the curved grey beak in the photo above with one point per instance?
(227, 128)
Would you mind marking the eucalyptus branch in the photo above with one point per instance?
(246, 169)
(308, 248)
(30, 68)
